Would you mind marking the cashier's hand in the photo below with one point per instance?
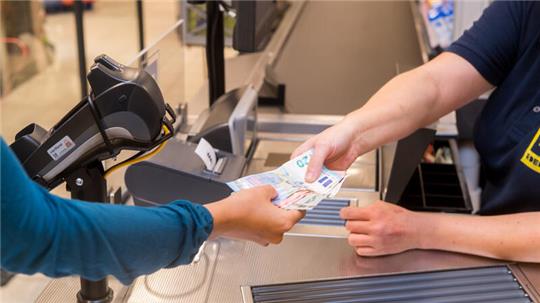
(250, 215)
(336, 147)
(381, 229)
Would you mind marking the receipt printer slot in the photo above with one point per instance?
(219, 167)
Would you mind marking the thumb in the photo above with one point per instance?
(296, 215)
(269, 191)
(320, 153)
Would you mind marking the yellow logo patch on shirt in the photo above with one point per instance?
(531, 157)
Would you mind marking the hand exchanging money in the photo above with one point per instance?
(249, 215)
(335, 147)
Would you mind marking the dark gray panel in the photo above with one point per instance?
(399, 164)
(178, 173)
(485, 284)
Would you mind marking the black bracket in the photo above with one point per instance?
(215, 54)
(215, 44)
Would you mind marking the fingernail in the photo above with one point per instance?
(310, 176)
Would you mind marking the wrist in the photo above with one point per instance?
(421, 229)
(353, 125)
(223, 219)
(352, 121)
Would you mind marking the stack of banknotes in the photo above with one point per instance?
(293, 191)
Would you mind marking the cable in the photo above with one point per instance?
(135, 159)
(99, 123)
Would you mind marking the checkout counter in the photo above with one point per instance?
(314, 263)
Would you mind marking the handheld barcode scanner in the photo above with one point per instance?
(124, 111)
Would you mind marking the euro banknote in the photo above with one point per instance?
(292, 190)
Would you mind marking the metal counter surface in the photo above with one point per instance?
(228, 265)
(532, 272)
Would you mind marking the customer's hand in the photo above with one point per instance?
(335, 147)
(250, 215)
(381, 228)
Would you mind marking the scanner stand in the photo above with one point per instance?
(88, 184)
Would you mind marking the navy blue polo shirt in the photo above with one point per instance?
(504, 46)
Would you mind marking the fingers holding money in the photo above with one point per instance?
(296, 215)
(268, 190)
(335, 147)
(321, 152)
(274, 222)
(273, 234)
(250, 215)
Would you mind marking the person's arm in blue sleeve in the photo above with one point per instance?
(58, 237)
(44, 233)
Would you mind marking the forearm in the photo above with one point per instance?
(59, 237)
(402, 105)
(66, 237)
(511, 237)
(415, 99)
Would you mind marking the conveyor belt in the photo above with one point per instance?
(326, 213)
(485, 284)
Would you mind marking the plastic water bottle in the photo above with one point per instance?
(438, 21)
(447, 10)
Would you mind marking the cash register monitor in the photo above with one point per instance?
(230, 123)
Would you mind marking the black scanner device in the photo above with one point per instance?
(125, 111)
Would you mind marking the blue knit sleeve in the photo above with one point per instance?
(44, 233)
